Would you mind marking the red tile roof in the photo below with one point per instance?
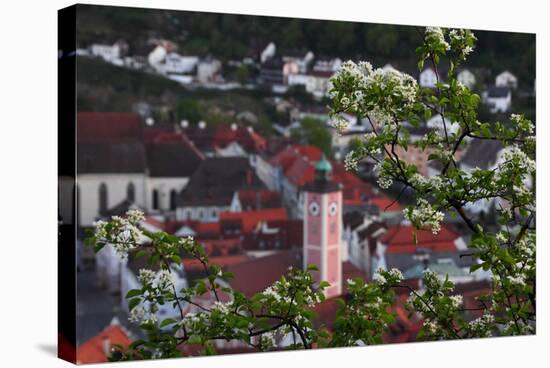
(249, 220)
(222, 261)
(400, 239)
(108, 127)
(92, 350)
(251, 199)
(221, 136)
(298, 164)
(257, 274)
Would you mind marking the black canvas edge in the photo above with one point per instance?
(66, 166)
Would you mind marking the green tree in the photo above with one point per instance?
(315, 132)
(389, 98)
(386, 98)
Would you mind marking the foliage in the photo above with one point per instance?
(283, 309)
(315, 132)
(393, 104)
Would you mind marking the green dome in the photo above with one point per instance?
(323, 170)
(323, 165)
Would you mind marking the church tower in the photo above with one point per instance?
(323, 227)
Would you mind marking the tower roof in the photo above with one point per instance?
(323, 182)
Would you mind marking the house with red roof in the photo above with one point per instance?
(294, 166)
(100, 347)
(404, 247)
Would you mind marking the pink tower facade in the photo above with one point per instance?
(322, 228)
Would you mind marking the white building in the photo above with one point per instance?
(506, 79)
(499, 99)
(268, 53)
(427, 78)
(106, 52)
(175, 63)
(116, 169)
(467, 78)
(208, 71)
(212, 188)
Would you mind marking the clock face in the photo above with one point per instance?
(332, 209)
(314, 209)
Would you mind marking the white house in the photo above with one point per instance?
(208, 70)
(467, 78)
(106, 52)
(211, 189)
(427, 78)
(175, 63)
(499, 99)
(318, 83)
(506, 79)
(268, 53)
(156, 56)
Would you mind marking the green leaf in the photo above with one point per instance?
(167, 321)
(133, 303)
(132, 293)
(312, 267)
(98, 247)
(176, 259)
(194, 339)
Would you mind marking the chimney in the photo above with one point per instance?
(106, 345)
(248, 177)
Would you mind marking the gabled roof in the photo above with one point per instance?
(481, 153)
(209, 138)
(400, 239)
(498, 92)
(92, 351)
(116, 158)
(216, 180)
(107, 127)
(172, 158)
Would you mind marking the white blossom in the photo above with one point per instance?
(423, 214)
(456, 301)
(434, 35)
(351, 162)
(146, 276)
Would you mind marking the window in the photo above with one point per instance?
(155, 199)
(173, 195)
(131, 192)
(103, 199)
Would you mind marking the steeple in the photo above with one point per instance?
(323, 170)
(322, 227)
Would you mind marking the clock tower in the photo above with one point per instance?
(323, 227)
